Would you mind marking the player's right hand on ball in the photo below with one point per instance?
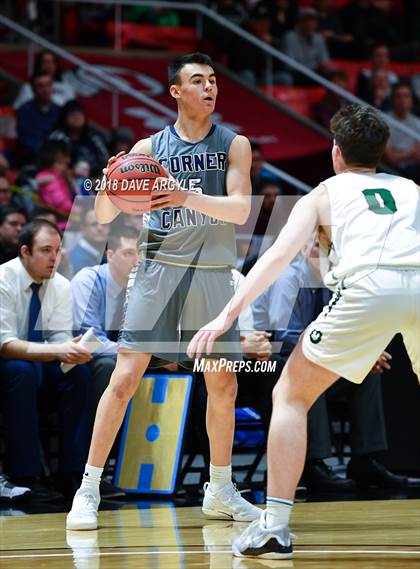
(111, 161)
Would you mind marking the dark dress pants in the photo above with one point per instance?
(20, 398)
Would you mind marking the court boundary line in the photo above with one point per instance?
(122, 547)
(203, 551)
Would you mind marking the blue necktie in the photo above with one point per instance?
(35, 333)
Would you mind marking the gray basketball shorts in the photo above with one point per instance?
(166, 305)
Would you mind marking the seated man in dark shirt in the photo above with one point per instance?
(12, 219)
(36, 118)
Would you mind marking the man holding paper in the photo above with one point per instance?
(35, 336)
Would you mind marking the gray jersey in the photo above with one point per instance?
(181, 235)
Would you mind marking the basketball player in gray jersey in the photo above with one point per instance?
(184, 280)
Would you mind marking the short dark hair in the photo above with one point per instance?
(178, 63)
(400, 85)
(39, 211)
(361, 134)
(9, 209)
(117, 232)
(49, 151)
(38, 62)
(31, 230)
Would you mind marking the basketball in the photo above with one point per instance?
(130, 182)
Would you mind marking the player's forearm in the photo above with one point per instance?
(31, 351)
(105, 211)
(233, 209)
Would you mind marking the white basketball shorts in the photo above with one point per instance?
(364, 314)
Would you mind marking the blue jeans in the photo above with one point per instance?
(69, 394)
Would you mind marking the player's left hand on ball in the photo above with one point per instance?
(203, 341)
(111, 160)
(381, 363)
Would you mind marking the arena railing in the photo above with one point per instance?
(270, 52)
(115, 86)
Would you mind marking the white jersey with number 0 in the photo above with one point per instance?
(375, 221)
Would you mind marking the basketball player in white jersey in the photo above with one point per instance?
(371, 223)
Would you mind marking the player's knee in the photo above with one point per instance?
(225, 391)
(123, 385)
(285, 394)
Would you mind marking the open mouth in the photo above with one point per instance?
(208, 99)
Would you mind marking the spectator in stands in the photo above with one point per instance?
(35, 336)
(269, 214)
(85, 142)
(62, 91)
(285, 309)
(12, 220)
(251, 63)
(282, 15)
(368, 25)
(54, 180)
(379, 96)
(332, 102)
(415, 83)
(270, 191)
(403, 150)
(41, 212)
(36, 118)
(121, 140)
(231, 10)
(5, 190)
(306, 46)
(379, 62)
(14, 195)
(90, 249)
(259, 173)
(331, 29)
(98, 297)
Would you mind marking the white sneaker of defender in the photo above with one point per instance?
(262, 542)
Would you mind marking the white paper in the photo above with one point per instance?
(88, 341)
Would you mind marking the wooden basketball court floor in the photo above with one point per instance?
(332, 535)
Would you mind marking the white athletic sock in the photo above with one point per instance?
(278, 511)
(220, 476)
(92, 477)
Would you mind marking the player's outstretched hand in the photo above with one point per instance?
(111, 161)
(203, 341)
(381, 363)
